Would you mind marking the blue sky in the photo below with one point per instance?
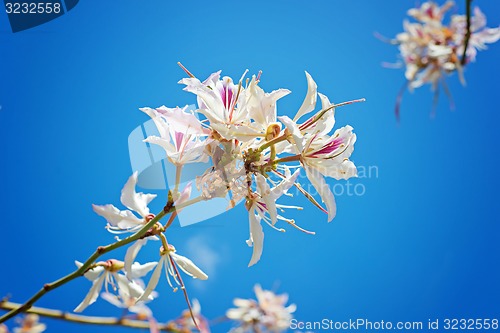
(423, 242)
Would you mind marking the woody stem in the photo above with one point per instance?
(468, 4)
(89, 320)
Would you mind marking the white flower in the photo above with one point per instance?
(125, 220)
(185, 322)
(107, 274)
(181, 135)
(217, 99)
(127, 299)
(269, 312)
(480, 34)
(319, 153)
(165, 262)
(430, 48)
(261, 108)
(430, 12)
(323, 155)
(30, 324)
(134, 249)
(244, 145)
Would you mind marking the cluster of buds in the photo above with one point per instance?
(268, 313)
(251, 155)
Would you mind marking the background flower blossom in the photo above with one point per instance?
(432, 48)
(269, 312)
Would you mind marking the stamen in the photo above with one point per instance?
(258, 76)
(384, 39)
(292, 223)
(183, 287)
(320, 113)
(237, 96)
(399, 99)
(185, 69)
(448, 93)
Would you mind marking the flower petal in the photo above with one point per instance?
(127, 288)
(123, 219)
(309, 103)
(323, 189)
(188, 266)
(92, 294)
(91, 274)
(153, 281)
(131, 254)
(112, 299)
(256, 238)
(138, 270)
(133, 200)
(294, 130)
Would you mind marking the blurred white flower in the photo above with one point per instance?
(480, 34)
(268, 312)
(30, 324)
(185, 322)
(431, 48)
(430, 12)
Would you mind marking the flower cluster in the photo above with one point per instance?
(430, 48)
(243, 137)
(268, 313)
(251, 155)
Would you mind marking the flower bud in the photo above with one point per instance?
(273, 131)
(114, 265)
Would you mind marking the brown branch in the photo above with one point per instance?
(468, 4)
(89, 320)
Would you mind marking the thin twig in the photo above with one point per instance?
(468, 4)
(89, 320)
